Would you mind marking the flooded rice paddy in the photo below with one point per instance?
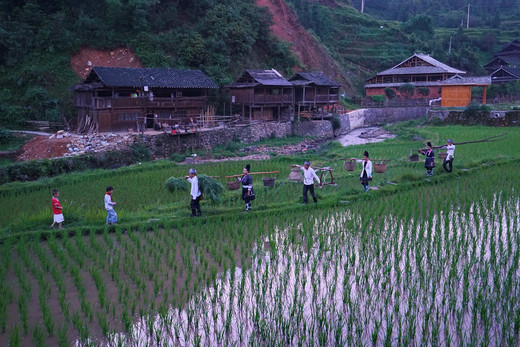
(452, 278)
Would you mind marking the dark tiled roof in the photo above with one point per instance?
(510, 47)
(151, 77)
(473, 81)
(434, 66)
(508, 60)
(268, 77)
(313, 77)
(513, 71)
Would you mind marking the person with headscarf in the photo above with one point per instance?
(366, 173)
(309, 175)
(448, 161)
(194, 193)
(429, 162)
(248, 194)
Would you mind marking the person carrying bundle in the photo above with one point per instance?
(308, 181)
(366, 173)
(429, 162)
(448, 161)
(248, 194)
(195, 193)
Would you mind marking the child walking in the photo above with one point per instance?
(109, 206)
(57, 209)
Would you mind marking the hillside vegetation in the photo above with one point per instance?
(222, 38)
(37, 40)
(389, 31)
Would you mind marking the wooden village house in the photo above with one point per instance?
(262, 95)
(505, 65)
(115, 98)
(420, 70)
(313, 91)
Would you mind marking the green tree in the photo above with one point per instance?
(390, 93)
(423, 91)
(407, 90)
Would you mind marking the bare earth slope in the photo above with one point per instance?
(287, 27)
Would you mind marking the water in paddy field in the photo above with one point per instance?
(454, 278)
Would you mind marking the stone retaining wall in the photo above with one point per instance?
(167, 144)
(493, 118)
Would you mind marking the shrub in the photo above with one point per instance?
(5, 136)
(336, 122)
(141, 153)
(378, 98)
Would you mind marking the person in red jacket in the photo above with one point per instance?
(57, 210)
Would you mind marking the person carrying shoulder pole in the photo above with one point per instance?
(448, 161)
(366, 173)
(429, 161)
(248, 194)
(195, 193)
(309, 175)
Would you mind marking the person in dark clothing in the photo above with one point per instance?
(248, 194)
(429, 162)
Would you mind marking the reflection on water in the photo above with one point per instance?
(452, 279)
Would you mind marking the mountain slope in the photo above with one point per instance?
(311, 53)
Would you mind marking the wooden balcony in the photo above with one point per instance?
(265, 99)
(155, 103)
(319, 99)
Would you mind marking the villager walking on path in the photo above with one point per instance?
(109, 206)
(309, 175)
(448, 161)
(57, 210)
(248, 194)
(195, 193)
(429, 162)
(366, 174)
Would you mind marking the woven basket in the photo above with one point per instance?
(350, 165)
(443, 155)
(268, 181)
(379, 168)
(414, 157)
(295, 175)
(232, 185)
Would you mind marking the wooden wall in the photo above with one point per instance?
(456, 96)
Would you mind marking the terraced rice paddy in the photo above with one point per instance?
(420, 262)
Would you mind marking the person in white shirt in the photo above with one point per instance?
(195, 193)
(366, 173)
(109, 206)
(448, 161)
(309, 175)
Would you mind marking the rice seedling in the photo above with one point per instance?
(427, 263)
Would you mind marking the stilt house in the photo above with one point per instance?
(114, 98)
(313, 90)
(262, 95)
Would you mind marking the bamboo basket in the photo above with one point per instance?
(379, 167)
(443, 155)
(414, 157)
(232, 185)
(295, 175)
(350, 165)
(268, 181)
